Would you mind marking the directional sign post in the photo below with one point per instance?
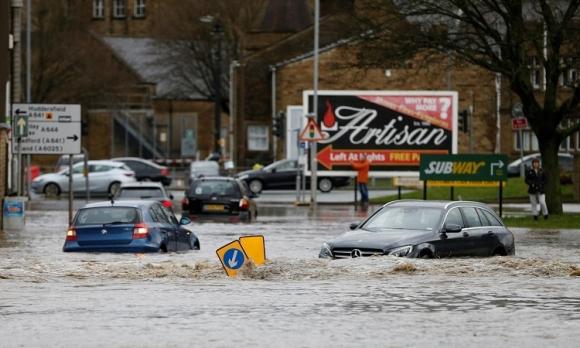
(21, 118)
(248, 249)
(50, 129)
(464, 170)
(232, 257)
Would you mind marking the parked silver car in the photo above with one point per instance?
(105, 177)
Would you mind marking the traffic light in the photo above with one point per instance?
(278, 125)
(463, 121)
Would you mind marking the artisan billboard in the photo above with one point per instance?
(392, 128)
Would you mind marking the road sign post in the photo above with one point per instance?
(51, 129)
(47, 129)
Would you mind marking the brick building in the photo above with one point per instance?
(290, 73)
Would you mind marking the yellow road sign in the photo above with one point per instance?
(255, 248)
(232, 257)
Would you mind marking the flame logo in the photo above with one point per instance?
(329, 119)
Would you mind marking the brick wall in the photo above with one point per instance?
(337, 73)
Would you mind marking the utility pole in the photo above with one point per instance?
(313, 147)
(4, 78)
(16, 82)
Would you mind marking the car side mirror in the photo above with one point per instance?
(353, 225)
(171, 196)
(184, 221)
(273, 170)
(452, 228)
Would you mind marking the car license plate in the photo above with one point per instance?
(213, 207)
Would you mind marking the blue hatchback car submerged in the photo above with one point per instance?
(128, 226)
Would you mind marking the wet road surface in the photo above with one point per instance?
(49, 298)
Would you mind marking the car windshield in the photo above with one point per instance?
(107, 215)
(408, 218)
(140, 192)
(215, 188)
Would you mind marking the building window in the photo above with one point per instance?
(536, 73)
(139, 9)
(98, 9)
(258, 138)
(530, 141)
(118, 8)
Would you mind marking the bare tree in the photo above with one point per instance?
(67, 60)
(192, 30)
(513, 38)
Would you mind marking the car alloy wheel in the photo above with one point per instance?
(325, 185)
(256, 186)
(52, 189)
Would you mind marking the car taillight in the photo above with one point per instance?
(140, 230)
(244, 204)
(185, 203)
(164, 172)
(166, 203)
(71, 234)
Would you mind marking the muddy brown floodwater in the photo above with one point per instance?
(51, 299)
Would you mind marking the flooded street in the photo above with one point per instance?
(49, 298)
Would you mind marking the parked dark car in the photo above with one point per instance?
(146, 170)
(425, 229)
(282, 175)
(128, 226)
(153, 191)
(219, 197)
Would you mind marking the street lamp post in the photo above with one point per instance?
(217, 31)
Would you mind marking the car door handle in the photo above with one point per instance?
(489, 233)
(465, 234)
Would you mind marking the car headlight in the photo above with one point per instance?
(325, 252)
(402, 251)
(243, 177)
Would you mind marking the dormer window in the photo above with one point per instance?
(98, 9)
(119, 8)
(139, 9)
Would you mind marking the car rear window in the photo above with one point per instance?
(140, 192)
(107, 215)
(214, 188)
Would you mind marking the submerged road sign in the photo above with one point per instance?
(236, 254)
(52, 129)
(232, 257)
(255, 248)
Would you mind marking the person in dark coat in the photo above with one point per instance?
(536, 180)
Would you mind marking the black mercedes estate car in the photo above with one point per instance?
(425, 229)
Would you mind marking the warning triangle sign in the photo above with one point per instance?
(311, 132)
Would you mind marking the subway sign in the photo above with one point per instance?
(392, 129)
(479, 168)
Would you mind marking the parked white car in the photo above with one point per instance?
(105, 177)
